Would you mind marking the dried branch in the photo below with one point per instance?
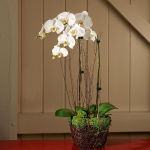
(73, 52)
(85, 75)
(93, 71)
(72, 85)
(65, 83)
(89, 86)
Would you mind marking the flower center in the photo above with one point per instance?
(73, 32)
(64, 21)
(59, 55)
(65, 43)
(53, 29)
(81, 23)
(92, 35)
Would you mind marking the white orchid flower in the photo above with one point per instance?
(67, 18)
(41, 33)
(59, 52)
(53, 26)
(76, 30)
(90, 34)
(66, 40)
(83, 19)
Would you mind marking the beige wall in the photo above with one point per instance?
(8, 69)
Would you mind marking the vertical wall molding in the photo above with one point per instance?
(8, 69)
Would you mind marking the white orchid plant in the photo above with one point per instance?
(71, 26)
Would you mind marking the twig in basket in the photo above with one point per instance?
(73, 52)
(65, 84)
(72, 85)
(93, 70)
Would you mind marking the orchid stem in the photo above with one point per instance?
(79, 71)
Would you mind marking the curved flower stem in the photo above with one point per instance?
(98, 41)
(79, 71)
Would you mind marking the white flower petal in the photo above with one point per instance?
(71, 41)
(88, 22)
(64, 52)
(55, 50)
(58, 24)
(85, 13)
(71, 22)
(62, 38)
(93, 39)
(80, 32)
(48, 25)
(79, 17)
(63, 15)
(76, 26)
(71, 19)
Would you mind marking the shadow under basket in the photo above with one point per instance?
(89, 137)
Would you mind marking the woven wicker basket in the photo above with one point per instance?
(89, 137)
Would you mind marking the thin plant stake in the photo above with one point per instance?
(98, 88)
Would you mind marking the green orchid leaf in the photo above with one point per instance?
(105, 115)
(105, 107)
(93, 108)
(64, 113)
(82, 108)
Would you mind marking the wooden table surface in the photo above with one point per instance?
(111, 144)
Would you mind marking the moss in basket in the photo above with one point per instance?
(80, 121)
